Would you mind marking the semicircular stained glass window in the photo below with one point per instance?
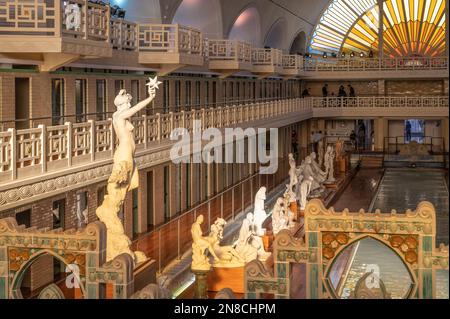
(410, 27)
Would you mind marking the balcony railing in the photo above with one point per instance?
(170, 38)
(123, 35)
(80, 19)
(381, 101)
(30, 152)
(292, 62)
(229, 50)
(386, 64)
(267, 57)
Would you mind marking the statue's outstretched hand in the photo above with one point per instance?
(152, 92)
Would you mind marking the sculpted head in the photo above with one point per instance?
(291, 156)
(313, 155)
(250, 217)
(261, 194)
(123, 100)
(308, 160)
(200, 219)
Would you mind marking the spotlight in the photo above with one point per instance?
(333, 55)
(121, 13)
(343, 55)
(325, 55)
(352, 55)
(361, 55)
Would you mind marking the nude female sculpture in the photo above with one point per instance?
(124, 176)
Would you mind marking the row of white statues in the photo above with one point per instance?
(308, 179)
(249, 245)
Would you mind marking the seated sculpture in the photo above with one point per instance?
(280, 219)
(249, 245)
(228, 256)
(200, 260)
(316, 185)
(259, 213)
(321, 175)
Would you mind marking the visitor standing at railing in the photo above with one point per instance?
(351, 91)
(325, 90)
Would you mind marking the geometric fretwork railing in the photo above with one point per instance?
(365, 64)
(30, 152)
(381, 101)
(411, 236)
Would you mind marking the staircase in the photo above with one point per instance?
(371, 162)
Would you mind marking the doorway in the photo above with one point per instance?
(22, 103)
(414, 131)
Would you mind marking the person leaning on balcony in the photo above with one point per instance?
(305, 93)
(351, 91)
(325, 90)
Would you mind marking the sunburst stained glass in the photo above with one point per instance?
(410, 27)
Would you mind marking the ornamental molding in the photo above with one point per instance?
(22, 195)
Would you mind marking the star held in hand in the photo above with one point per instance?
(154, 83)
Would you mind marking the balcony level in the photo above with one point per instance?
(169, 47)
(54, 33)
(372, 69)
(267, 62)
(45, 161)
(228, 57)
(292, 66)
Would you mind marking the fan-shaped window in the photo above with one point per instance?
(409, 28)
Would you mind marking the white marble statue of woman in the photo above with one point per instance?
(293, 179)
(305, 190)
(124, 175)
(329, 164)
(280, 218)
(249, 245)
(259, 213)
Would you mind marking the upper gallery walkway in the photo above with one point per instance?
(47, 160)
(80, 33)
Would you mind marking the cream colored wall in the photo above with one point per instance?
(396, 128)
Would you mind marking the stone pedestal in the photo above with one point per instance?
(201, 284)
(220, 278)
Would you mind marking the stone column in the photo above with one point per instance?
(381, 131)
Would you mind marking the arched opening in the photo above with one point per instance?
(64, 275)
(368, 267)
(274, 38)
(247, 27)
(204, 15)
(298, 46)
